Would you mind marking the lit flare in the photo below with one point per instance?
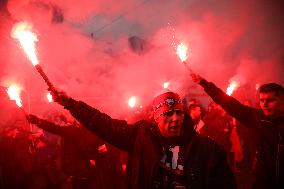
(257, 86)
(14, 94)
(182, 52)
(232, 87)
(22, 32)
(49, 97)
(166, 85)
(132, 102)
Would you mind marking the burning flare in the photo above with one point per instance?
(22, 32)
(132, 102)
(257, 86)
(232, 87)
(49, 97)
(182, 52)
(166, 85)
(14, 94)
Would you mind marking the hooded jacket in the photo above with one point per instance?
(205, 162)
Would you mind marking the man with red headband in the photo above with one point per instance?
(163, 153)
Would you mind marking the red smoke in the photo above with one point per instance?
(83, 47)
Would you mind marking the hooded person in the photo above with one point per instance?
(164, 152)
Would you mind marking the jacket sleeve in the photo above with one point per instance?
(221, 175)
(246, 115)
(113, 131)
(51, 127)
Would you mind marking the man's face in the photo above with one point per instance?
(195, 113)
(170, 123)
(270, 103)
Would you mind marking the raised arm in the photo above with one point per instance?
(113, 131)
(46, 125)
(246, 115)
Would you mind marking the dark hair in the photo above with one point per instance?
(272, 87)
(192, 106)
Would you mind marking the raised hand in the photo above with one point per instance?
(32, 119)
(59, 96)
(195, 77)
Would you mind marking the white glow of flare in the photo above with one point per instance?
(132, 102)
(182, 52)
(257, 86)
(49, 97)
(232, 87)
(14, 94)
(166, 85)
(22, 32)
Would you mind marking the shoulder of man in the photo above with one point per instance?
(208, 144)
(143, 125)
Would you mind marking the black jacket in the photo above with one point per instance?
(79, 147)
(269, 133)
(205, 163)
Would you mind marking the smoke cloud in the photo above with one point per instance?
(85, 50)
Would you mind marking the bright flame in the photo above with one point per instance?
(14, 94)
(166, 85)
(22, 32)
(132, 102)
(257, 86)
(182, 52)
(232, 87)
(49, 97)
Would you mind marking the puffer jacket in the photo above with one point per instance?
(205, 162)
(269, 133)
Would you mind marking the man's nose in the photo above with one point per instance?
(265, 103)
(175, 116)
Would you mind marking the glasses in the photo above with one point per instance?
(170, 113)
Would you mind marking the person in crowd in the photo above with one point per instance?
(15, 145)
(247, 139)
(47, 171)
(86, 160)
(195, 111)
(15, 158)
(269, 122)
(164, 152)
(245, 165)
(218, 126)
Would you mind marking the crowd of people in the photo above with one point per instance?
(228, 145)
(57, 154)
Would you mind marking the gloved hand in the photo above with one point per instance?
(59, 96)
(32, 119)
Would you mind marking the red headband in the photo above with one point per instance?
(165, 102)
